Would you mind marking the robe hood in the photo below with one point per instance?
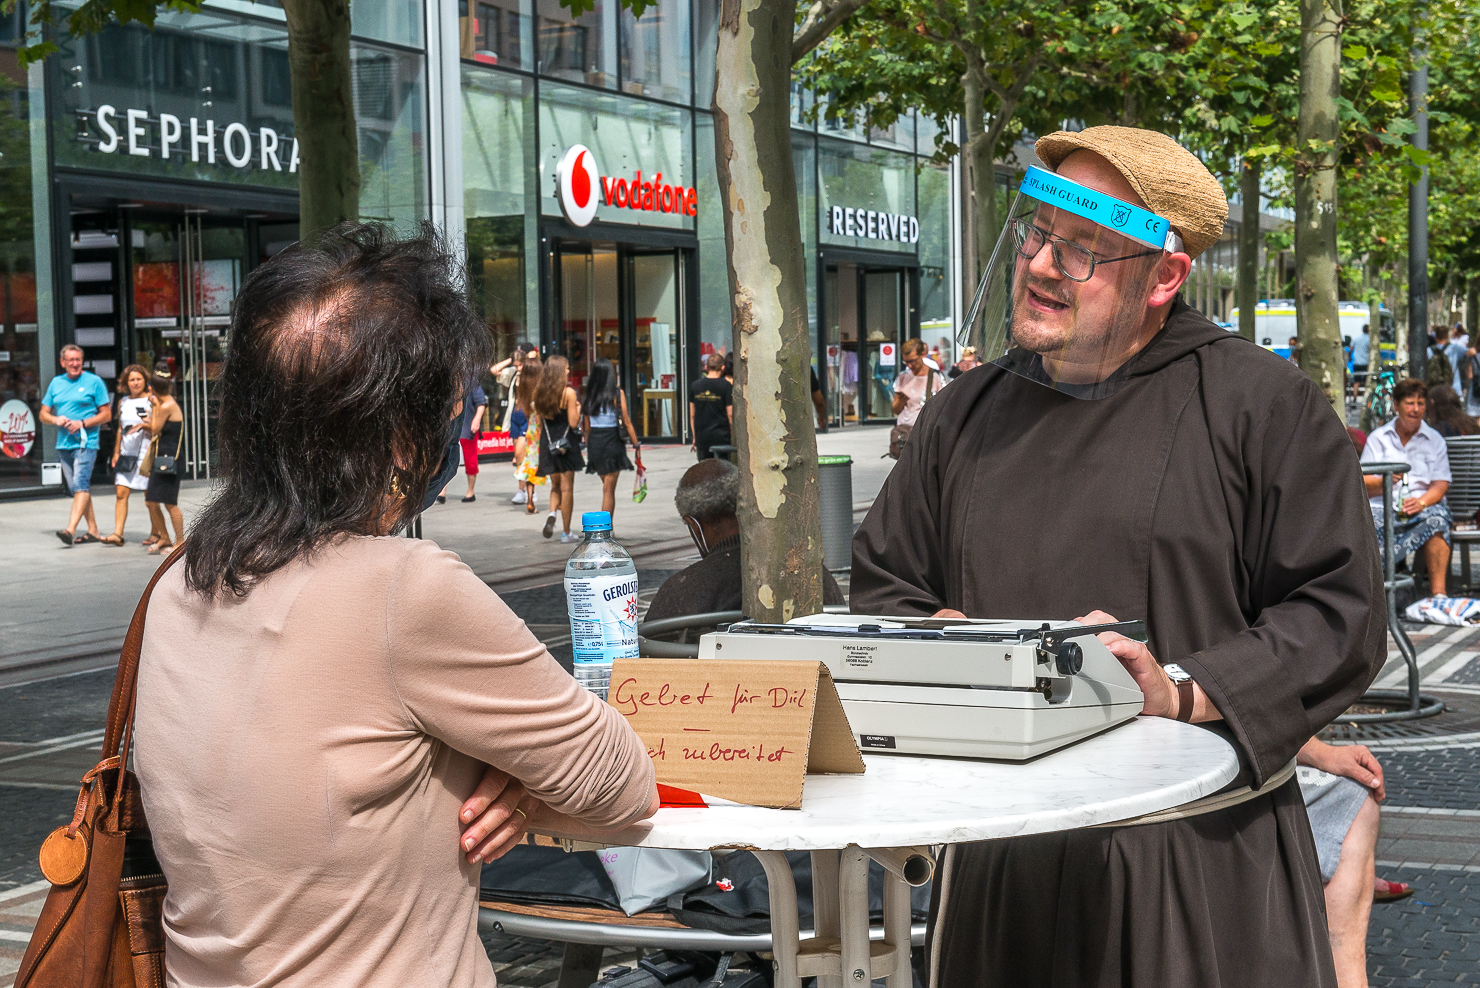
(1186, 330)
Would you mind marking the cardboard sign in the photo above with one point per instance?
(742, 731)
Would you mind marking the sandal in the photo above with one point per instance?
(161, 548)
(65, 536)
(1385, 891)
(149, 541)
(112, 540)
(85, 537)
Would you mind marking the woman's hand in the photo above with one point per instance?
(1413, 505)
(1350, 761)
(495, 817)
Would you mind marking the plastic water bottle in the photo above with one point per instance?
(601, 595)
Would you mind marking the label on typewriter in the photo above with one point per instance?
(857, 656)
(876, 740)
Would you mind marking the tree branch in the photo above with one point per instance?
(822, 17)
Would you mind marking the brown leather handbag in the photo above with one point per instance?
(102, 923)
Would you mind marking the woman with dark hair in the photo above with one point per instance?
(606, 451)
(526, 426)
(130, 436)
(1447, 413)
(317, 700)
(559, 412)
(167, 426)
(1423, 518)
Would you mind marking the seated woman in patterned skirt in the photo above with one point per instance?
(1422, 521)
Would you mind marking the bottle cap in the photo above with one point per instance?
(596, 521)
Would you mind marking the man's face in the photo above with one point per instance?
(71, 362)
(1077, 321)
(915, 361)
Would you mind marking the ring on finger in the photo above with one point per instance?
(522, 813)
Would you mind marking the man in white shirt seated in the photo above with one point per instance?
(1423, 521)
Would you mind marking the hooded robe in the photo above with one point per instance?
(1216, 495)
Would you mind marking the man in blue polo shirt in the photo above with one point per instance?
(77, 404)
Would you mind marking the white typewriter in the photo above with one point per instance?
(970, 688)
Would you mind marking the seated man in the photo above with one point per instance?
(1422, 522)
(706, 499)
(1341, 787)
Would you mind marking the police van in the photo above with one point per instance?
(1274, 325)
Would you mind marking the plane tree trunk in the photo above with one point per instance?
(323, 113)
(780, 521)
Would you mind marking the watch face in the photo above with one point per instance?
(1176, 673)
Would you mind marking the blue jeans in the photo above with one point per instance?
(77, 468)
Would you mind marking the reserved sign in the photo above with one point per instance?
(742, 731)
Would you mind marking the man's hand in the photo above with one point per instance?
(1350, 761)
(947, 612)
(1155, 684)
(72, 425)
(1412, 505)
(495, 817)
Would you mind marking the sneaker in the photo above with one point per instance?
(569, 537)
(519, 498)
(549, 528)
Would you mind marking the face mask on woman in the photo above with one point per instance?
(450, 461)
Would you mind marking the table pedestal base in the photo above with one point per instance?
(841, 954)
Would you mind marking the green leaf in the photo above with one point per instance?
(1261, 121)
(1355, 52)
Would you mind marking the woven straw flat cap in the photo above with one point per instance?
(1170, 180)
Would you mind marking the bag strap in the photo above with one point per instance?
(179, 445)
(125, 684)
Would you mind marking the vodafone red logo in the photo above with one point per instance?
(578, 180)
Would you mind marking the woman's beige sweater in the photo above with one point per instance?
(304, 752)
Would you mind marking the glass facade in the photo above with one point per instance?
(146, 172)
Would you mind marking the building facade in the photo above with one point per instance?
(151, 171)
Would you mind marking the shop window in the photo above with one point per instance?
(24, 369)
(867, 197)
(494, 32)
(396, 21)
(277, 78)
(655, 51)
(498, 159)
(706, 37)
(936, 325)
(581, 49)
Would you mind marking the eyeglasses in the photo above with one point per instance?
(1076, 262)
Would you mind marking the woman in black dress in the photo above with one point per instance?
(604, 416)
(167, 424)
(556, 404)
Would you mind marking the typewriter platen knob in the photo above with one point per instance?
(1069, 659)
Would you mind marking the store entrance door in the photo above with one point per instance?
(625, 303)
(868, 313)
(152, 284)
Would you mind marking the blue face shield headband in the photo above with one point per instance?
(1075, 280)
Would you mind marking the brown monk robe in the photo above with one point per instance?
(1217, 496)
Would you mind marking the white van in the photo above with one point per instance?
(1274, 324)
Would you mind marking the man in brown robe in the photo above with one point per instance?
(1213, 493)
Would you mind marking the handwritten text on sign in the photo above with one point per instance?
(742, 731)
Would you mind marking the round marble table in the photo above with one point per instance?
(1145, 765)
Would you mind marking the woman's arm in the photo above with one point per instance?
(117, 443)
(627, 419)
(574, 409)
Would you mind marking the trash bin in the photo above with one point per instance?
(835, 490)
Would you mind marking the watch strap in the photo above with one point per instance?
(1186, 700)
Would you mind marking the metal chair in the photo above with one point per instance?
(1463, 497)
(1419, 706)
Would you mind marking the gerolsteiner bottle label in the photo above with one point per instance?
(603, 617)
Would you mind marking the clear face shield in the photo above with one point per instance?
(1064, 298)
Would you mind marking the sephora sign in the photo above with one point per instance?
(581, 187)
(135, 132)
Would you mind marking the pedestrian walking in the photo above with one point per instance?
(604, 416)
(711, 407)
(330, 698)
(129, 441)
(76, 402)
(916, 385)
(167, 426)
(522, 424)
(559, 411)
(472, 427)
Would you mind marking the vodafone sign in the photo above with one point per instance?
(577, 179)
(580, 185)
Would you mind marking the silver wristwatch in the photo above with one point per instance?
(1182, 679)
